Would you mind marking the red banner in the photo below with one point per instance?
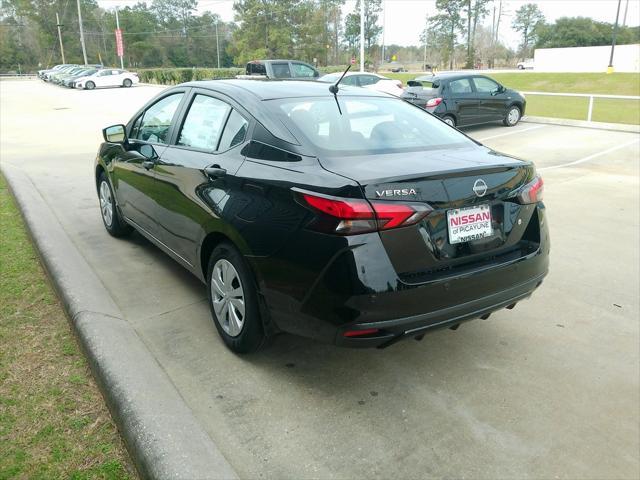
(119, 43)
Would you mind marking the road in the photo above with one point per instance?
(547, 390)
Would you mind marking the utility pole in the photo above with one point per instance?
(118, 27)
(362, 35)
(624, 18)
(384, 27)
(60, 37)
(84, 49)
(613, 39)
(217, 44)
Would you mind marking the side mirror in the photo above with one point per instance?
(114, 134)
(316, 74)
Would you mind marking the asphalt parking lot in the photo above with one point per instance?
(547, 390)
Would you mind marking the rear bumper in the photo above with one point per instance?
(358, 289)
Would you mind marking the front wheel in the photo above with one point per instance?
(89, 85)
(513, 116)
(111, 218)
(233, 300)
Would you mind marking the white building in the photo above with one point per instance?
(626, 58)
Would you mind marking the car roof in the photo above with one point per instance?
(447, 76)
(275, 89)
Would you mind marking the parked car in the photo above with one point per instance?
(398, 69)
(108, 77)
(47, 76)
(526, 64)
(281, 69)
(41, 73)
(372, 81)
(70, 80)
(60, 78)
(462, 99)
(355, 219)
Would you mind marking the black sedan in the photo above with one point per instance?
(355, 218)
(462, 99)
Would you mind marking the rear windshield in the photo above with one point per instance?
(367, 125)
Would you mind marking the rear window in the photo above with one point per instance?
(367, 125)
(256, 69)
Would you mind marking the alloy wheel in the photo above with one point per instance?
(106, 203)
(227, 295)
(513, 116)
(449, 121)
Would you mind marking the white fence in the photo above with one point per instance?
(590, 96)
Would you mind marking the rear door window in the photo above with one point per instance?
(368, 80)
(235, 131)
(460, 86)
(203, 123)
(256, 69)
(153, 125)
(281, 70)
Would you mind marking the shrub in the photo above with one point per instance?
(173, 76)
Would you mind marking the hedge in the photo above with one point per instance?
(173, 76)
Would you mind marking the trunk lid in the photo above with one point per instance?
(445, 180)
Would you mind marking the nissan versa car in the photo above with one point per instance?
(347, 216)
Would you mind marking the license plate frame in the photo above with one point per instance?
(467, 224)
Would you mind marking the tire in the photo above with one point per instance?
(111, 218)
(449, 120)
(89, 85)
(231, 288)
(513, 116)
(126, 83)
(520, 67)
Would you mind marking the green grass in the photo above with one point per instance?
(604, 110)
(53, 421)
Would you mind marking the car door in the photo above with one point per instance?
(133, 174)
(116, 78)
(211, 134)
(302, 71)
(460, 99)
(491, 98)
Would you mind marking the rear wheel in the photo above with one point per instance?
(513, 116)
(89, 85)
(449, 120)
(111, 218)
(126, 83)
(233, 300)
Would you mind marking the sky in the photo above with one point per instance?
(405, 19)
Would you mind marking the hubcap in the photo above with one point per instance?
(514, 115)
(106, 204)
(449, 121)
(228, 297)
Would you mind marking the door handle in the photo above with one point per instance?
(148, 164)
(215, 171)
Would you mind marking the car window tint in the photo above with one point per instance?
(364, 125)
(156, 120)
(234, 131)
(302, 71)
(368, 80)
(350, 80)
(257, 69)
(281, 70)
(485, 85)
(462, 85)
(203, 123)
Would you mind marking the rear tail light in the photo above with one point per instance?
(360, 333)
(349, 216)
(532, 192)
(434, 102)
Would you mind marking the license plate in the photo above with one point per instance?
(471, 223)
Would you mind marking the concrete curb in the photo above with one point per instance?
(163, 437)
(618, 127)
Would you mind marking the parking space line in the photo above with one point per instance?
(592, 156)
(512, 132)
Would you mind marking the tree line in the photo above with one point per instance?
(172, 33)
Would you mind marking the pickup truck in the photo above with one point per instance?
(281, 69)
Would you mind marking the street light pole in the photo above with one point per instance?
(362, 35)
(60, 36)
(84, 49)
(613, 39)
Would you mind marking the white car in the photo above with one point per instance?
(108, 78)
(372, 81)
(527, 64)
